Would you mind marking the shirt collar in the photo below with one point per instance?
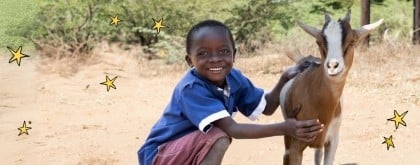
(232, 83)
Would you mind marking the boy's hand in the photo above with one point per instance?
(294, 70)
(305, 130)
(291, 72)
(307, 62)
(301, 66)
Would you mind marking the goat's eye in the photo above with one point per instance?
(325, 48)
(351, 44)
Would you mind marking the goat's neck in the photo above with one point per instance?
(321, 84)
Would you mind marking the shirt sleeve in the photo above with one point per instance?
(200, 107)
(251, 100)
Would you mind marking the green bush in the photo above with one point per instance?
(72, 28)
(81, 24)
(15, 16)
(398, 21)
(178, 17)
(71, 32)
(252, 23)
(330, 6)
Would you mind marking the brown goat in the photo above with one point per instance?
(316, 92)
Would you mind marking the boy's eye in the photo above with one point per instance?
(202, 53)
(224, 51)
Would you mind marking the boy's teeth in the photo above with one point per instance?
(215, 69)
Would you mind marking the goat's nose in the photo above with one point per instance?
(332, 64)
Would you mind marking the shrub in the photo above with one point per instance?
(72, 28)
(251, 23)
(69, 33)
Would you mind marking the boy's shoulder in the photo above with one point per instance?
(236, 78)
(190, 80)
(236, 72)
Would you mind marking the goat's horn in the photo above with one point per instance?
(299, 55)
(366, 29)
(347, 17)
(311, 30)
(327, 17)
(372, 25)
(290, 55)
(294, 56)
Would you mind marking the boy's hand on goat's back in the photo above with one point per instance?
(301, 66)
(307, 62)
(305, 130)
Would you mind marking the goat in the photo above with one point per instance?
(316, 92)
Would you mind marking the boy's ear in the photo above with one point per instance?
(188, 60)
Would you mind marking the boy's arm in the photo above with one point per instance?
(273, 98)
(302, 130)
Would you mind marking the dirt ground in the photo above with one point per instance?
(75, 120)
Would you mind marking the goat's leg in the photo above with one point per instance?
(296, 152)
(331, 146)
(318, 155)
(287, 141)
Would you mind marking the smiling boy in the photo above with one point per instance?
(197, 125)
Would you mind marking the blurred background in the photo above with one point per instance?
(73, 46)
(74, 27)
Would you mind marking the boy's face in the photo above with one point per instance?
(212, 54)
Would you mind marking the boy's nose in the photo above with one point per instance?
(214, 57)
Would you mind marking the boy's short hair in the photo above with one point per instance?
(206, 23)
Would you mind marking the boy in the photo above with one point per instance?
(196, 127)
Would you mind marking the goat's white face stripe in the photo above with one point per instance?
(333, 35)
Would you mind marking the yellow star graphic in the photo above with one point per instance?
(24, 129)
(158, 25)
(109, 83)
(388, 142)
(17, 55)
(115, 20)
(398, 119)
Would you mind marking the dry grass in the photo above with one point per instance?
(389, 69)
(67, 67)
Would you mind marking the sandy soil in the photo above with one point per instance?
(75, 120)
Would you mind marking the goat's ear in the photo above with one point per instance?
(311, 30)
(295, 57)
(363, 31)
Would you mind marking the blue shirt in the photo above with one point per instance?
(196, 103)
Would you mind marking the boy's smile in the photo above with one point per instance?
(212, 54)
